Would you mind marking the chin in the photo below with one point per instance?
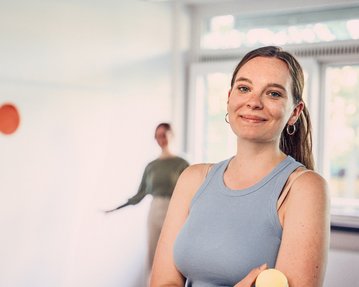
(256, 138)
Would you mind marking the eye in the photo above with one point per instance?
(274, 94)
(243, 89)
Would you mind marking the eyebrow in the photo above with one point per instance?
(267, 86)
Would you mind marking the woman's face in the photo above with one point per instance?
(161, 136)
(260, 102)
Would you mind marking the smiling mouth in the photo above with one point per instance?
(253, 119)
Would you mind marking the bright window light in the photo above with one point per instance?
(353, 28)
(230, 32)
(343, 137)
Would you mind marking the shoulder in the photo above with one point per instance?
(182, 161)
(308, 179)
(309, 186)
(192, 178)
(196, 172)
(151, 165)
(152, 162)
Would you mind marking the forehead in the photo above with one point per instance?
(269, 67)
(161, 130)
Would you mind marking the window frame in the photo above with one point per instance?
(338, 221)
(317, 105)
(194, 141)
(313, 57)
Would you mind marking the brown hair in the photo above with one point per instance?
(166, 126)
(298, 145)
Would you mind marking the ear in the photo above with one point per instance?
(296, 113)
(229, 94)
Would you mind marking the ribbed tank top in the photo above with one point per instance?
(229, 232)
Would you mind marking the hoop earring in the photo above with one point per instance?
(291, 131)
(226, 118)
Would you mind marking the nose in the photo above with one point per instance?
(255, 101)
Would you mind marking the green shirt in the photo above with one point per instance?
(159, 178)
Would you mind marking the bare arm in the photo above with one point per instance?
(164, 271)
(306, 226)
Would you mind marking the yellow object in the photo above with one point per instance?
(271, 278)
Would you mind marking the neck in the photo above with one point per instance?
(258, 154)
(252, 162)
(166, 153)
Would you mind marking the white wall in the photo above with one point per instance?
(342, 260)
(91, 79)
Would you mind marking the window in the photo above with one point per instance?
(322, 40)
(230, 32)
(342, 137)
(210, 86)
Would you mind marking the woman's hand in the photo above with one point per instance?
(251, 277)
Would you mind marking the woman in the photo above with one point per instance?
(263, 208)
(159, 179)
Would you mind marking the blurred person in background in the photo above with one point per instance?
(158, 180)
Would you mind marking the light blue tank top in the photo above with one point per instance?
(229, 232)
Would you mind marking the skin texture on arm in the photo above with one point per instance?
(164, 271)
(303, 252)
(251, 277)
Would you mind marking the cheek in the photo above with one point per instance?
(280, 115)
(279, 112)
(235, 102)
(278, 109)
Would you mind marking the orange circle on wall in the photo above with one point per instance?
(9, 119)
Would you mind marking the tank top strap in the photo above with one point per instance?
(284, 175)
(213, 170)
(287, 187)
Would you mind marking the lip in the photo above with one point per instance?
(252, 118)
